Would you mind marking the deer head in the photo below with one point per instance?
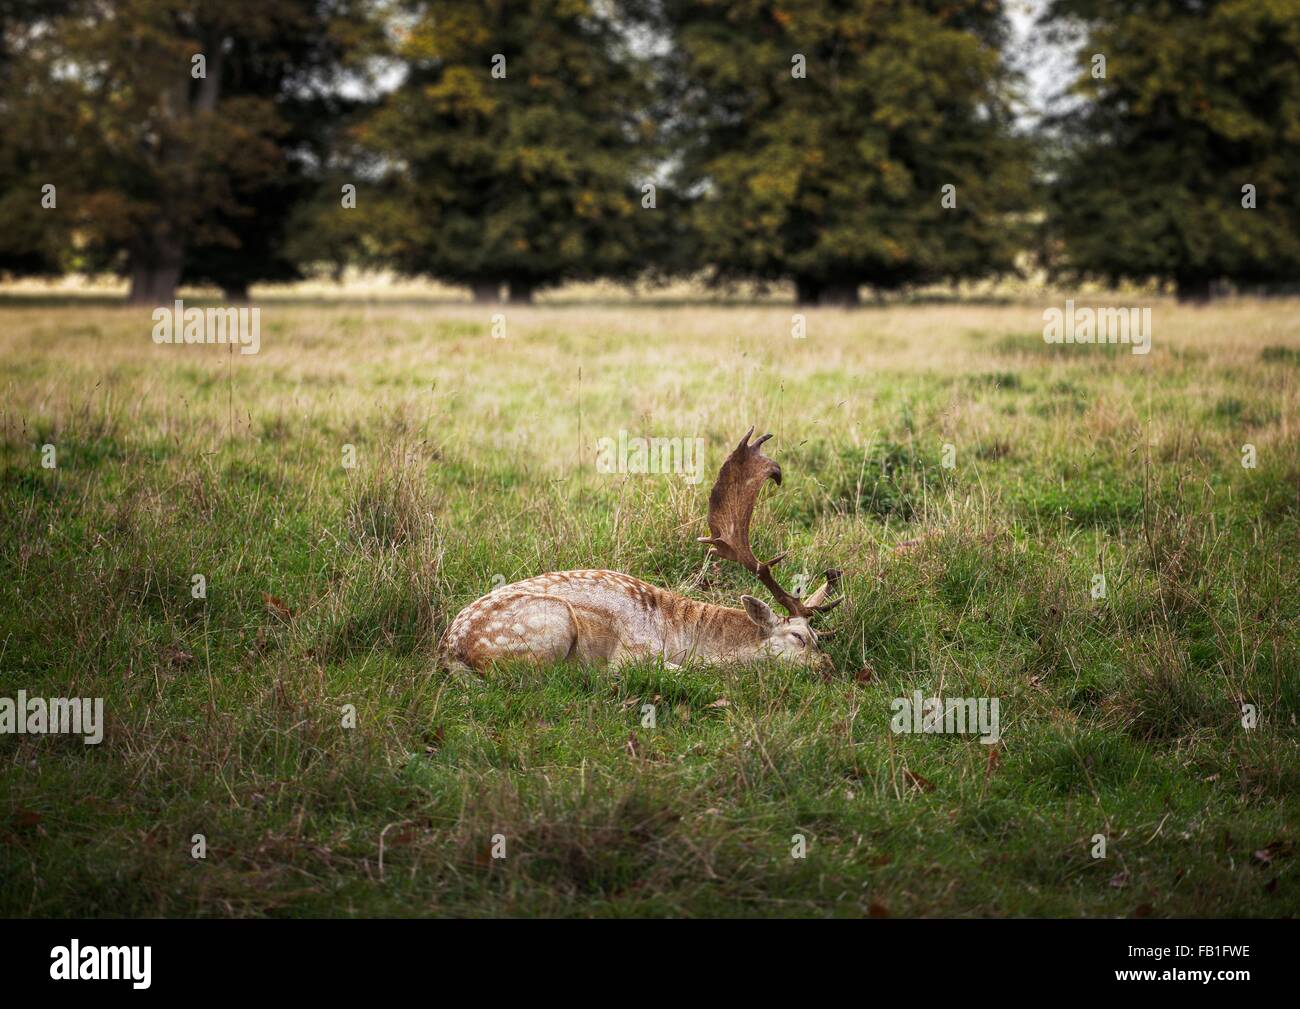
(731, 507)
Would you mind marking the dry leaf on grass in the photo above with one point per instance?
(177, 656)
(276, 606)
(27, 819)
(1274, 849)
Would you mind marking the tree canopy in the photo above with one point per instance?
(1179, 163)
(172, 131)
(516, 145)
(825, 133)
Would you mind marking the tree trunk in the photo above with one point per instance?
(157, 260)
(521, 292)
(1193, 290)
(839, 295)
(486, 291)
(807, 292)
(156, 270)
(235, 294)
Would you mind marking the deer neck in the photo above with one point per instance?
(708, 632)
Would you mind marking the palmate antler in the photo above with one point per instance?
(731, 506)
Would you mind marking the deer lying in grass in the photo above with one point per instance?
(604, 616)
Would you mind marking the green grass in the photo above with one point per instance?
(1121, 716)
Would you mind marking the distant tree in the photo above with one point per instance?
(517, 145)
(1200, 99)
(34, 237)
(826, 131)
(250, 242)
(299, 68)
(181, 130)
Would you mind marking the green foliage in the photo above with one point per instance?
(164, 171)
(836, 179)
(810, 140)
(516, 145)
(1198, 101)
(297, 66)
(34, 123)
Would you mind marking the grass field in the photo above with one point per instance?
(327, 587)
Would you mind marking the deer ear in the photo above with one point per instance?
(759, 612)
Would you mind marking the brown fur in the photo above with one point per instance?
(607, 617)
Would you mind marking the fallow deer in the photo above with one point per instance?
(606, 617)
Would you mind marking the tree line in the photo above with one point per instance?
(512, 145)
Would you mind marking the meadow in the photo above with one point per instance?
(1160, 714)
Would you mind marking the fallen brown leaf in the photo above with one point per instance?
(276, 607)
(27, 819)
(177, 656)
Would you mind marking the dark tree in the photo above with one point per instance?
(517, 146)
(824, 133)
(1200, 99)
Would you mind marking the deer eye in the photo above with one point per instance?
(799, 637)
